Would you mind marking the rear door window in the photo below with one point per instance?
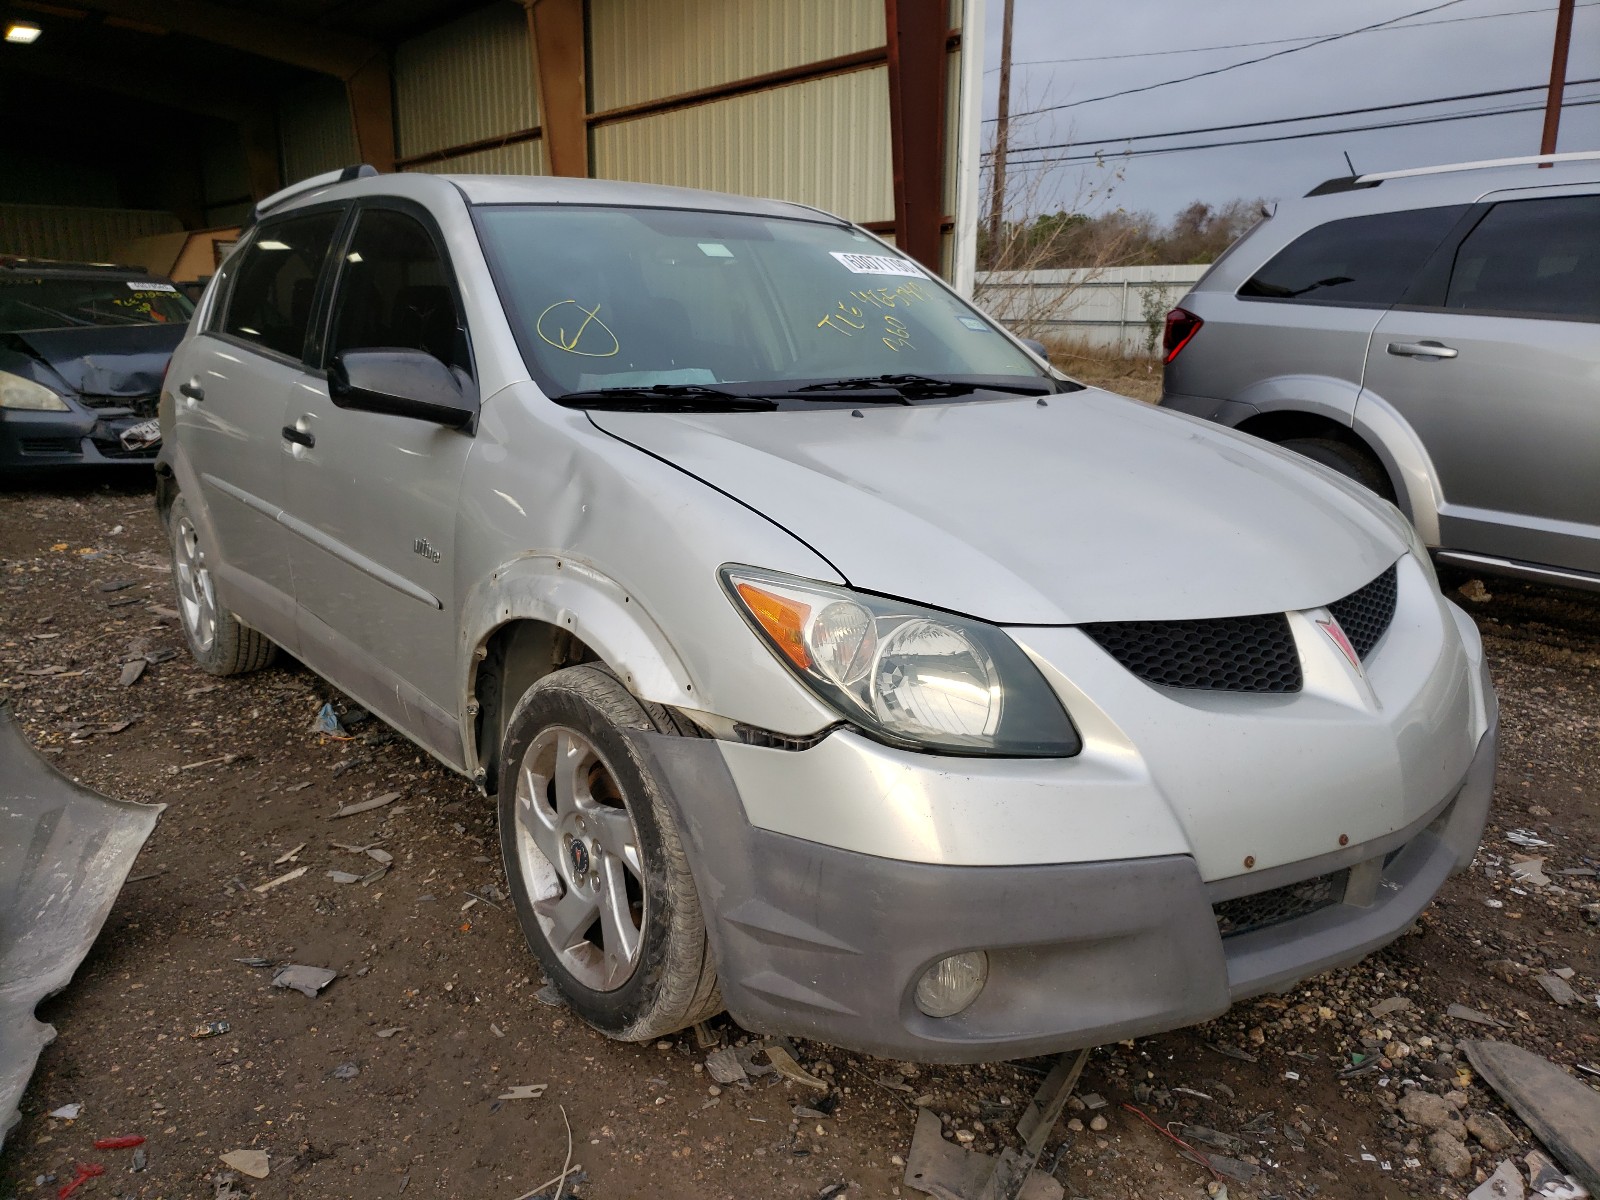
(1358, 261)
(1532, 258)
(396, 292)
(275, 282)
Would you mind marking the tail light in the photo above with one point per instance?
(1181, 327)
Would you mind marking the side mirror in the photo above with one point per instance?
(402, 383)
(1037, 347)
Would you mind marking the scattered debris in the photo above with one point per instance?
(391, 1031)
(346, 1070)
(344, 877)
(1529, 870)
(1526, 838)
(210, 1029)
(306, 980)
(131, 672)
(1462, 1013)
(86, 1172)
(723, 1066)
(67, 1112)
(781, 1055)
(288, 855)
(248, 1162)
(550, 996)
(1563, 1113)
(1474, 590)
(350, 810)
(524, 1091)
(119, 1143)
(947, 1171)
(1559, 989)
(286, 877)
(1393, 1004)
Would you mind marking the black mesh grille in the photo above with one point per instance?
(1225, 654)
(1248, 913)
(1365, 613)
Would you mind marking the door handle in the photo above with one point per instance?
(1421, 350)
(192, 390)
(299, 437)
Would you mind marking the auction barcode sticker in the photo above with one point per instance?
(879, 264)
(141, 285)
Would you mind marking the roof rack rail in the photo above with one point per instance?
(1347, 183)
(326, 179)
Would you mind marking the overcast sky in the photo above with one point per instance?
(1423, 57)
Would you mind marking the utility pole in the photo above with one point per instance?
(1558, 78)
(1002, 138)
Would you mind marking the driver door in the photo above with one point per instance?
(373, 496)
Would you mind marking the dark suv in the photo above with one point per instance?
(83, 348)
(1433, 334)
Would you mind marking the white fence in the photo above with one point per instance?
(1117, 307)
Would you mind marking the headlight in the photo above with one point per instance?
(17, 392)
(906, 675)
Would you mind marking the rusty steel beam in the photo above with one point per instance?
(1558, 80)
(560, 64)
(917, 67)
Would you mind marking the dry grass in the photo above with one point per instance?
(1135, 375)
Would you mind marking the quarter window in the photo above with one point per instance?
(1362, 261)
(1536, 258)
(275, 282)
(395, 293)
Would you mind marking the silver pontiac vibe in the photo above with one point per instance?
(830, 658)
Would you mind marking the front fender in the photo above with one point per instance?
(1391, 437)
(1320, 395)
(573, 595)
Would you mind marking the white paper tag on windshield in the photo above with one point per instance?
(714, 250)
(879, 264)
(150, 287)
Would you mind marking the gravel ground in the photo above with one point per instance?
(388, 1082)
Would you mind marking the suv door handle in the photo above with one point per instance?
(298, 436)
(1421, 350)
(192, 390)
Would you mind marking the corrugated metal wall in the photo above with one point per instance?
(647, 49)
(470, 80)
(825, 143)
(314, 124)
(76, 234)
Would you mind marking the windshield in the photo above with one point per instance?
(63, 302)
(638, 298)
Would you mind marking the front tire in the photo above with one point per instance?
(595, 861)
(219, 642)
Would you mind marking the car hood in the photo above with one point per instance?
(103, 360)
(1085, 507)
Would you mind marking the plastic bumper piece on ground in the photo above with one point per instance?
(818, 942)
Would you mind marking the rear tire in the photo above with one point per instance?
(219, 642)
(595, 860)
(1350, 461)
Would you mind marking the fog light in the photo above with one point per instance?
(952, 984)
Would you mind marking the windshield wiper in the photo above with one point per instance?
(668, 397)
(921, 387)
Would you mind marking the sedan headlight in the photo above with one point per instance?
(909, 676)
(17, 392)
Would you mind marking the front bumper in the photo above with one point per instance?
(819, 942)
(31, 441)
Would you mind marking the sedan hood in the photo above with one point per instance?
(1085, 507)
(103, 360)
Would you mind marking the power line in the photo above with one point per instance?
(1150, 87)
(1290, 137)
(1348, 112)
(1043, 62)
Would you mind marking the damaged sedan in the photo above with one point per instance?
(82, 351)
(830, 657)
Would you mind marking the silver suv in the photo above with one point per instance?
(1432, 334)
(829, 657)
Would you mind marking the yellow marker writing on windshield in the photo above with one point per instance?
(592, 338)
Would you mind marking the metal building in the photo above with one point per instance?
(862, 107)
